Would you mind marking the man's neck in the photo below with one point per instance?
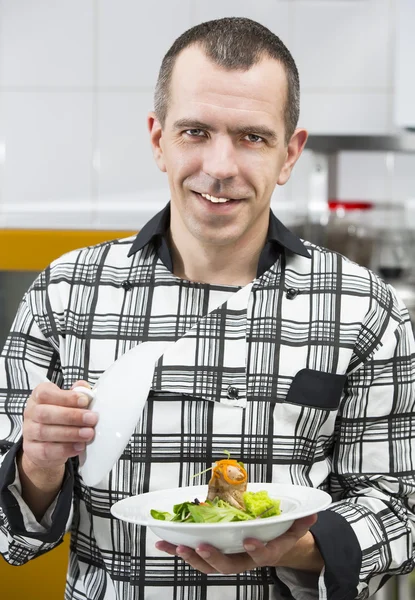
(223, 265)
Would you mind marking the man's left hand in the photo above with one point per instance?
(295, 549)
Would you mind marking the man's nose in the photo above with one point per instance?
(220, 160)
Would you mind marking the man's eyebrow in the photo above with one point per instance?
(192, 124)
(260, 130)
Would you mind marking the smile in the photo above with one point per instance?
(214, 199)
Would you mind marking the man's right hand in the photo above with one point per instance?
(56, 426)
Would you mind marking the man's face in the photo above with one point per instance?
(224, 139)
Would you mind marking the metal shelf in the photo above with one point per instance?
(329, 144)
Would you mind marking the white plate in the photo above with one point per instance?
(118, 397)
(296, 502)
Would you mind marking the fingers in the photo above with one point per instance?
(47, 414)
(166, 547)
(49, 393)
(216, 562)
(196, 561)
(56, 425)
(208, 559)
(190, 556)
(80, 383)
(272, 553)
(49, 423)
(56, 433)
(83, 400)
(301, 526)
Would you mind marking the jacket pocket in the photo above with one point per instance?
(316, 389)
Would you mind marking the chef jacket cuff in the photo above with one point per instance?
(19, 516)
(342, 555)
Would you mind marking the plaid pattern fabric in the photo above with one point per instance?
(343, 322)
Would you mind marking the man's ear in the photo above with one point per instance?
(156, 135)
(294, 149)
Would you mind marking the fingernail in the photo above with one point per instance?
(79, 447)
(203, 554)
(90, 418)
(250, 548)
(83, 401)
(86, 432)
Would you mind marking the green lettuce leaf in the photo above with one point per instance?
(161, 516)
(258, 505)
(217, 512)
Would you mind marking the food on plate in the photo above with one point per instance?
(227, 499)
(228, 482)
(259, 504)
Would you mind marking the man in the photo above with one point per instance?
(311, 383)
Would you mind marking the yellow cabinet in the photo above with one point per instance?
(39, 579)
(31, 250)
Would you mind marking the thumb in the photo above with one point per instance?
(81, 383)
(301, 526)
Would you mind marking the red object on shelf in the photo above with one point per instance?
(349, 204)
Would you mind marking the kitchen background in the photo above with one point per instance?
(76, 83)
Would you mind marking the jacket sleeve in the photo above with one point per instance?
(29, 357)
(368, 533)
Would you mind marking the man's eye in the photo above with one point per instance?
(255, 139)
(195, 132)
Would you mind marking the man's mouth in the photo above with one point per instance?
(216, 200)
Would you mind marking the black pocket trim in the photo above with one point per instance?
(341, 552)
(316, 389)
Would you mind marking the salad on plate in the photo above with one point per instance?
(227, 499)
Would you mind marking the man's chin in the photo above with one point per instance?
(217, 239)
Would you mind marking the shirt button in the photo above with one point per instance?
(233, 393)
(292, 293)
(127, 285)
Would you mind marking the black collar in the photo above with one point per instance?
(279, 238)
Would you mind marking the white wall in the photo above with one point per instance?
(76, 83)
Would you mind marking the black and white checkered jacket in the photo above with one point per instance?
(322, 361)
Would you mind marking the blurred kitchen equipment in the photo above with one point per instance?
(394, 250)
(393, 241)
(349, 230)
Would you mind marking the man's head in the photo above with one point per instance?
(222, 136)
(233, 43)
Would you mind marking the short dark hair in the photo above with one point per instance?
(233, 43)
